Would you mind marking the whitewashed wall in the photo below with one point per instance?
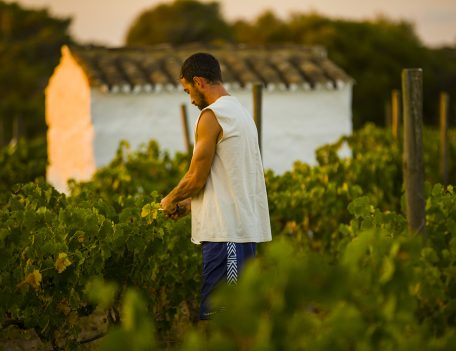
(136, 118)
(70, 132)
(295, 123)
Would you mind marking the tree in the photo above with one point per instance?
(182, 21)
(266, 29)
(30, 42)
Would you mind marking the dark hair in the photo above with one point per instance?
(201, 65)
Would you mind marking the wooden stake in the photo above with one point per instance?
(412, 91)
(184, 118)
(257, 110)
(395, 107)
(444, 103)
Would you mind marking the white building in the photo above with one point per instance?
(99, 96)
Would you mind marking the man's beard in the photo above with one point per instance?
(201, 101)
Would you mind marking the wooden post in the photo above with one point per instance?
(444, 103)
(412, 93)
(395, 108)
(184, 118)
(257, 110)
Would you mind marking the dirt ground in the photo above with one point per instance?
(15, 339)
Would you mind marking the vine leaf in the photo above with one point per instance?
(33, 279)
(62, 262)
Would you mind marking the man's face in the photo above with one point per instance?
(196, 95)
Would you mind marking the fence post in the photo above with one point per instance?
(257, 110)
(184, 118)
(444, 103)
(395, 108)
(412, 94)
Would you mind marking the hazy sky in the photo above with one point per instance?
(106, 21)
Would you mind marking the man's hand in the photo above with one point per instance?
(168, 206)
(183, 208)
(176, 210)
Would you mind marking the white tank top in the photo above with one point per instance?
(233, 206)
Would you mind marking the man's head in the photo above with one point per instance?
(201, 65)
(198, 73)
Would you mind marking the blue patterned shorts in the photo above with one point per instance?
(222, 262)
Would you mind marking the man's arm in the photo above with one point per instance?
(208, 131)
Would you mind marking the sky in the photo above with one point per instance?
(107, 21)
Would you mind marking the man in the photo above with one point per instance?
(224, 187)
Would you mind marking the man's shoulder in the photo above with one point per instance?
(227, 104)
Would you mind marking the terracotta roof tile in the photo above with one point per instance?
(243, 74)
(290, 74)
(157, 68)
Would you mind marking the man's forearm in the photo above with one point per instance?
(184, 190)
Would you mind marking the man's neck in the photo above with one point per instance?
(214, 92)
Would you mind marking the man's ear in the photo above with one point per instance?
(199, 81)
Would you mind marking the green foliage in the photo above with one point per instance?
(265, 29)
(137, 330)
(386, 290)
(21, 162)
(30, 42)
(368, 299)
(53, 246)
(310, 202)
(183, 21)
(143, 171)
(342, 272)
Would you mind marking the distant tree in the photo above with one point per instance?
(267, 28)
(30, 42)
(182, 21)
